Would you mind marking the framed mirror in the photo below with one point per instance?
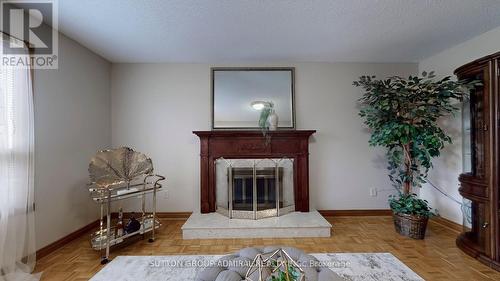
(240, 94)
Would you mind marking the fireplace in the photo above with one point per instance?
(243, 175)
(254, 188)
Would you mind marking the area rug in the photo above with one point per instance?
(352, 267)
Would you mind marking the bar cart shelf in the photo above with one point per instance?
(99, 242)
(104, 197)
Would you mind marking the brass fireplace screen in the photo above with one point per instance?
(254, 188)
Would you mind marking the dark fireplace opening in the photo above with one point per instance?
(265, 183)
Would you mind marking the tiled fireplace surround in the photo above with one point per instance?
(236, 145)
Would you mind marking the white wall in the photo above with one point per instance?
(72, 122)
(449, 165)
(155, 108)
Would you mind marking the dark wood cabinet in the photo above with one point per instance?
(479, 183)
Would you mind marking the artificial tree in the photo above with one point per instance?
(403, 115)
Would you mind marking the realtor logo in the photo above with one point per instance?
(33, 22)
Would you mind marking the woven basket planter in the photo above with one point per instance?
(412, 226)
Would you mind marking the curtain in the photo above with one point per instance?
(17, 218)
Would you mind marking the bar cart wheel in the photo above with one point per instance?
(151, 240)
(104, 261)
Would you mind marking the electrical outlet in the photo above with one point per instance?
(373, 192)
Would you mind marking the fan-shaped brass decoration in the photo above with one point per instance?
(120, 165)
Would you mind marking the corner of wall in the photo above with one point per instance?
(72, 113)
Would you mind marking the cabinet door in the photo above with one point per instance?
(478, 137)
(495, 193)
(480, 126)
(480, 232)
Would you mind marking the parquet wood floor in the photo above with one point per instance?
(435, 258)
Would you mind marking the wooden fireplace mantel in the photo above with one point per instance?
(293, 144)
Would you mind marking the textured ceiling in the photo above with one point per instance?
(231, 31)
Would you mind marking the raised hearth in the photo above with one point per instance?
(239, 144)
(296, 224)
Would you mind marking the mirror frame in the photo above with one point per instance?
(212, 85)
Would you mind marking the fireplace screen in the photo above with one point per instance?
(254, 188)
